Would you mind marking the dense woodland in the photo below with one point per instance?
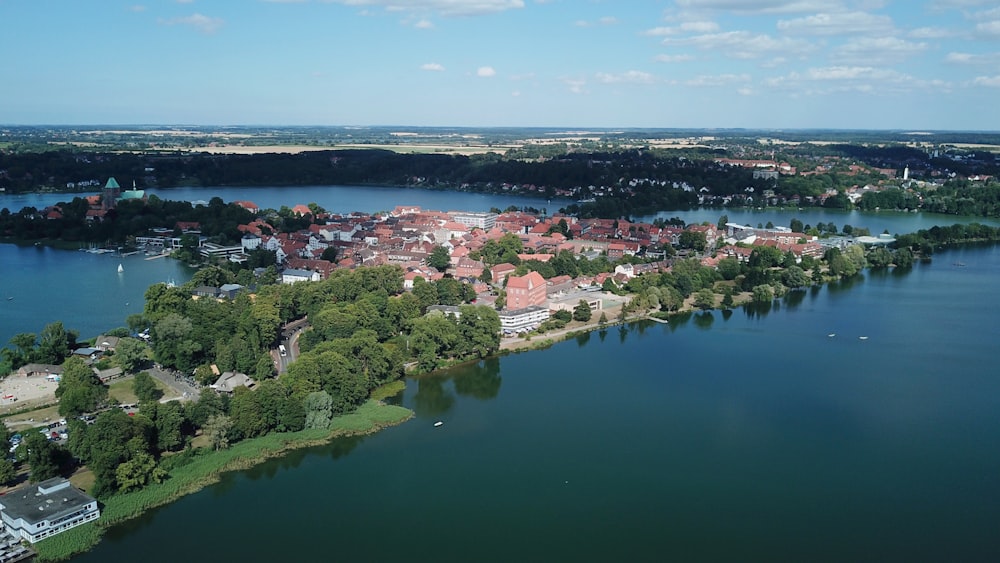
(634, 181)
(363, 329)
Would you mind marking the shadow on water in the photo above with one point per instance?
(679, 320)
(794, 298)
(704, 320)
(727, 314)
(754, 310)
(582, 338)
(436, 392)
(845, 284)
(602, 334)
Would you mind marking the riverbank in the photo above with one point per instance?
(207, 467)
(613, 317)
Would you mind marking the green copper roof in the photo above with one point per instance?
(112, 184)
(133, 194)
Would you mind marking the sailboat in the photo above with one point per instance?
(120, 268)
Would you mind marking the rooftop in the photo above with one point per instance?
(48, 500)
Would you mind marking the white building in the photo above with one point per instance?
(485, 221)
(523, 319)
(292, 276)
(39, 511)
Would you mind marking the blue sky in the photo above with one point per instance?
(870, 64)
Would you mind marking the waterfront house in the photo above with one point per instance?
(38, 511)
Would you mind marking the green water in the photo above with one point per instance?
(753, 436)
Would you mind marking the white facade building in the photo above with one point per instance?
(39, 511)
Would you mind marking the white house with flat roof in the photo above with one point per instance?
(38, 511)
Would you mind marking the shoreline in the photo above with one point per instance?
(208, 468)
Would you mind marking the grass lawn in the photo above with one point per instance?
(122, 391)
(33, 418)
(83, 479)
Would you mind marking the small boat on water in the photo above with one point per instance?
(438, 423)
(862, 338)
(120, 268)
(832, 334)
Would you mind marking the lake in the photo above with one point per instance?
(749, 436)
(345, 199)
(40, 285)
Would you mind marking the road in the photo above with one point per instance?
(184, 387)
(290, 340)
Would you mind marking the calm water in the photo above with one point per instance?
(345, 199)
(753, 436)
(39, 285)
(335, 199)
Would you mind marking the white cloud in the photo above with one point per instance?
(973, 58)
(423, 24)
(863, 79)
(700, 26)
(759, 6)
(631, 77)
(673, 58)
(657, 31)
(485, 71)
(991, 28)
(745, 91)
(202, 23)
(742, 44)
(717, 80)
(931, 33)
(434, 67)
(958, 4)
(442, 7)
(185, 1)
(606, 20)
(515, 93)
(877, 50)
(991, 81)
(137, 8)
(576, 85)
(837, 23)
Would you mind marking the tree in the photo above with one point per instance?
(439, 259)
(582, 311)
(319, 409)
(479, 327)
(130, 354)
(329, 254)
(796, 226)
(721, 225)
(55, 343)
(45, 458)
(218, 428)
(8, 472)
(727, 299)
(79, 390)
(794, 277)
(145, 388)
(138, 472)
(729, 268)
(692, 239)
(763, 294)
(704, 299)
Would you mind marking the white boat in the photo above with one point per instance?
(862, 338)
(438, 423)
(120, 268)
(832, 334)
